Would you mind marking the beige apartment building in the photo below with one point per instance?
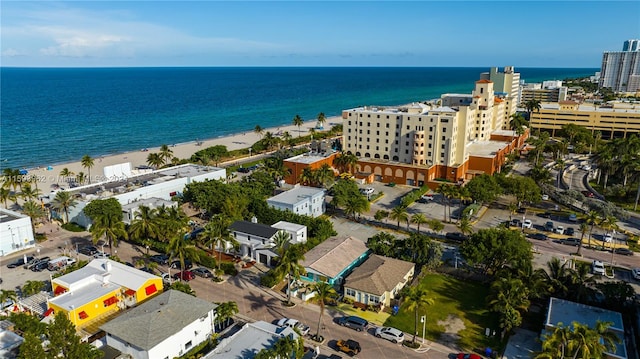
(613, 120)
(420, 143)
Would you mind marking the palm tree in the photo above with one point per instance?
(418, 219)
(321, 120)
(325, 175)
(281, 242)
(592, 218)
(324, 292)
(12, 178)
(531, 106)
(584, 229)
(307, 176)
(290, 267)
(399, 213)
(509, 296)
(226, 310)
(32, 287)
(110, 227)
(6, 295)
(34, 211)
(435, 225)
(346, 162)
(64, 201)
(216, 234)
(4, 196)
(465, 226)
(87, 162)
(155, 160)
(356, 205)
(81, 177)
(183, 249)
(416, 299)
(66, 174)
(445, 191)
(298, 121)
(578, 341)
(286, 137)
(258, 130)
(30, 193)
(145, 225)
(166, 154)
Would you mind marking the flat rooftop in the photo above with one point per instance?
(249, 340)
(504, 133)
(295, 195)
(288, 226)
(83, 295)
(134, 182)
(591, 108)
(309, 158)
(485, 148)
(8, 216)
(153, 202)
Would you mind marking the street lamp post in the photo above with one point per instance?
(423, 319)
(249, 151)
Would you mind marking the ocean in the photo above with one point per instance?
(55, 115)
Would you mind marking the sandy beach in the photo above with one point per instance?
(48, 176)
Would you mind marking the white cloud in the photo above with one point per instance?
(11, 52)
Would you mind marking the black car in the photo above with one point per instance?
(20, 262)
(160, 258)
(522, 210)
(36, 261)
(455, 236)
(40, 266)
(623, 251)
(569, 231)
(539, 236)
(177, 265)
(545, 215)
(202, 272)
(88, 250)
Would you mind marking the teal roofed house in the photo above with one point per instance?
(332, 260)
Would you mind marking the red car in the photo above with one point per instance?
(186, 275)
(468, 356)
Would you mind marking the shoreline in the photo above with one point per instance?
(46, 178)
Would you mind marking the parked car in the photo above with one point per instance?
(391, 334)
(20, 262)
(573, 217)
(549, 226)
(100, 255)
(623, 251)
(202, 272)
(427, 197)
(597, 267)
(41, 265)
(527, 223)
(178, 265)
(545, 197)
(354, 322)
(468, 356)
(160, 258)
(635, 272)
(349, 346)
(185, 275)
(587, 194)
(367, 191)
(294, 324)
(570, 231)
(35, 262)
(545, 215)
(559, 230)
(165, 278)
(88, 250)
(522, 210)
(608, 237)
(60, 262)
(571, 242)
(455, 236)
(538, 236)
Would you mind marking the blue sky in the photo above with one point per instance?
(314, 33)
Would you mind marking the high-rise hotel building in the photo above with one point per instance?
(621, 69)
(425, 143)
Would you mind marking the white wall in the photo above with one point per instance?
(172, 347)
(16, 234)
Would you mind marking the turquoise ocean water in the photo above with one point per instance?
(50, 116)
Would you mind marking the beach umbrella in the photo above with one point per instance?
(23, 172)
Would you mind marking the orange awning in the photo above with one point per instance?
(83, 315)
(59, 290)
(151, 289)
(48, 312)
(130, 292)
(110, 301)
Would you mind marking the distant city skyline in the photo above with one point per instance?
(313, 33)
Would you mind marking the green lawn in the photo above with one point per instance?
(461, 299)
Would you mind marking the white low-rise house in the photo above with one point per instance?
(250, 340)
(167, 326)
(297, 232)
(16, 232)
(130, 210)
(257, 240)
(303, 200)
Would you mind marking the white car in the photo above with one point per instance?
(527, 223)
(635, 272)
(294, 324)
(597, 267)
(545, 197)
(608, 237)
(100, 255)
(367, 191)
(586, 167)
(560, 229)
(391, 334)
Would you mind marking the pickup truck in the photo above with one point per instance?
(349, 346)
(60, 262)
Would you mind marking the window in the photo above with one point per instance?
(188, 345)
(407, 143)
(444, 138)
(442, 147)
(408, 127)
(350, 292)
(150, 289)
(444, 129)
(406, 152)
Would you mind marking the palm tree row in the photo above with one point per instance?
(161, 158)
(323, 176)
(346, 162)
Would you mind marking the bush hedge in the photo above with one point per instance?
(413, 196)
(270, 279)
